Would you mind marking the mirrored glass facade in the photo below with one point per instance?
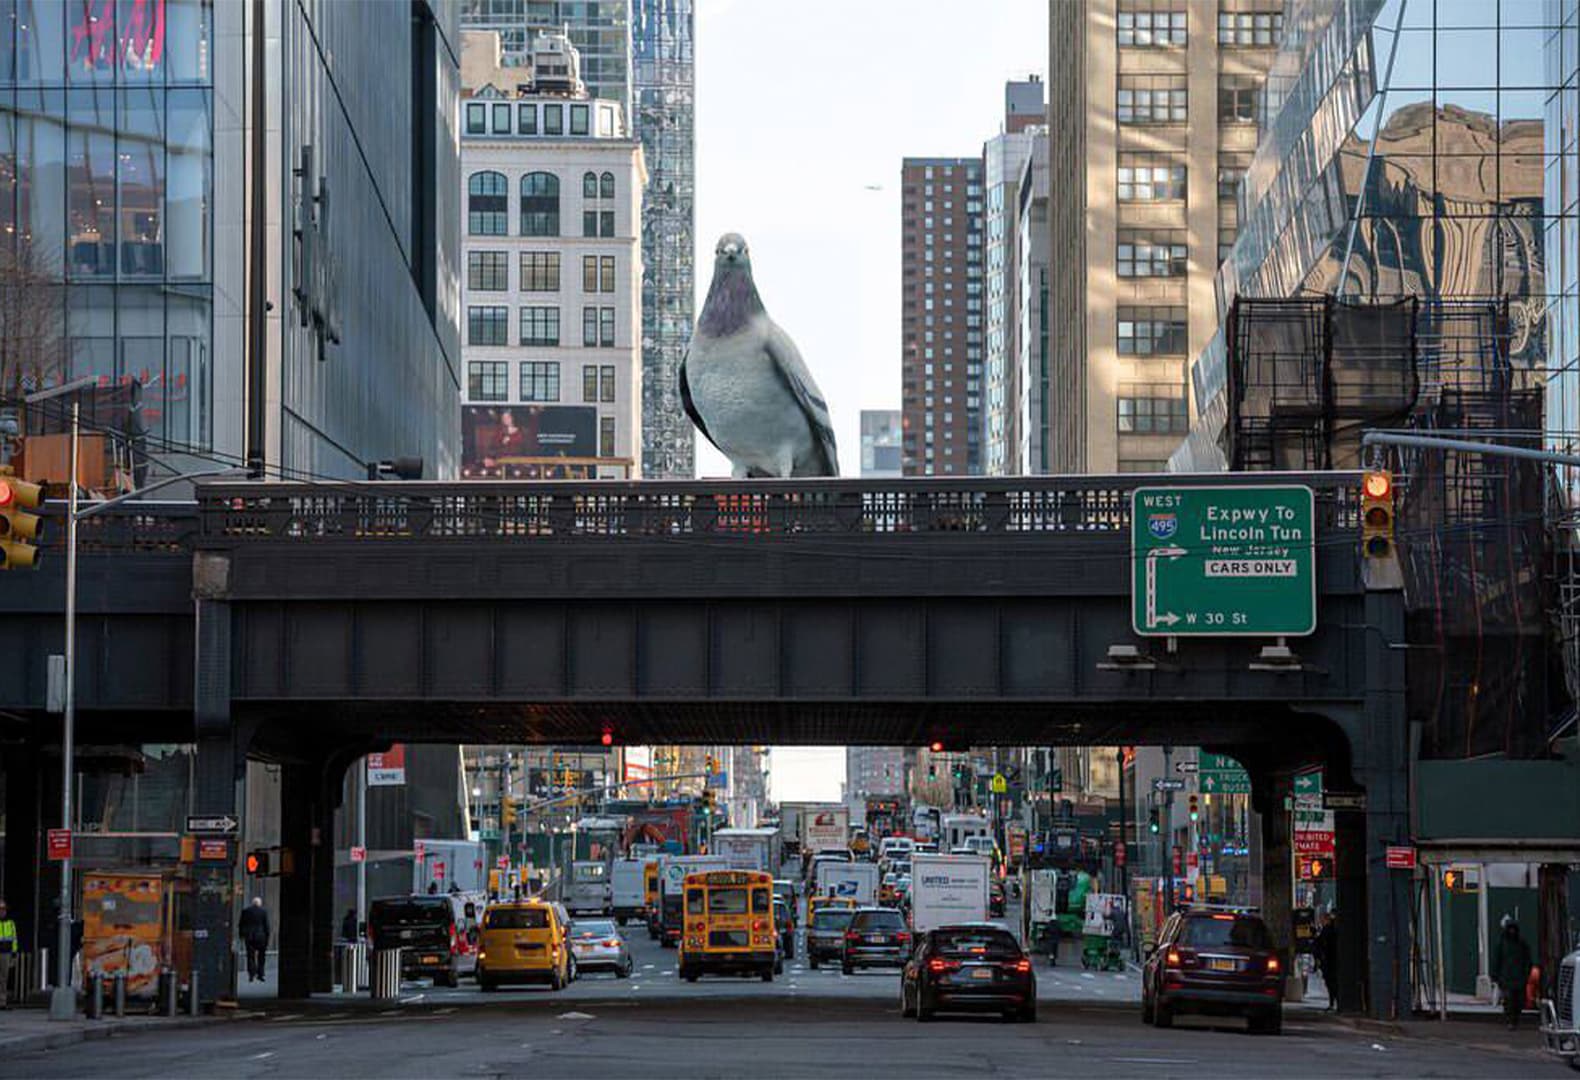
(1417, 149)
(106, 202)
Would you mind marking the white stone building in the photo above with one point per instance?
(552, 276)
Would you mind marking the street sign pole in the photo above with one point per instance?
(1167, 851)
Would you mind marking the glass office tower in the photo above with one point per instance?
(106, 177)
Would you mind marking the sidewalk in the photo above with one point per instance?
(27, 1030)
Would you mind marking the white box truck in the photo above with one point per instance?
(748, 849)
(948, 889)
(958, 828)
(857, 880)
(627, 888)
(826, 828)
(672, 871)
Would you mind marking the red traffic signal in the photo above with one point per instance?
(258, 863)
(936, 746)
(607, 738)
(1377, 515)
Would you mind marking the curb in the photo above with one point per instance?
(82, 1032)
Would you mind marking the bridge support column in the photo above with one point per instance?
(1374, 901)
(1278, 871)
(218, 790)
(306, 919)
(22, 772)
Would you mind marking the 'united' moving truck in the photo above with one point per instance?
(948, 889)
(748, 849)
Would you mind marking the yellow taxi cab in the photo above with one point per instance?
(650, 897)
(522, 942)
(814, 903)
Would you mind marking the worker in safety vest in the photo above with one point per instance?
(8, 948)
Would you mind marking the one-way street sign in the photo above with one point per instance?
(1167, 783)
(224, 824)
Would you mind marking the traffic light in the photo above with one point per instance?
(607, 738)
(1195, 807)
(258, 863)
(18, 528)
(936, 746)
(1377, 515)
(713, 765)
(1153, 825)
(507, 812)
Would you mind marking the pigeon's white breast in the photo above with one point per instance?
(743, 400)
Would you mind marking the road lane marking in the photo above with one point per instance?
(262, 1056)
(1154, 1061)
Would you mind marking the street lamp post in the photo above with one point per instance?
(63, 999)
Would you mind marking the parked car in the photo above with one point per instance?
(437, 934)
(968, 967)
(825, 933)
(876, 937)
(1216, 963)
(598, 945)
(525, 941)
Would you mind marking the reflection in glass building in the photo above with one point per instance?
(106, 176)
(1401, 263)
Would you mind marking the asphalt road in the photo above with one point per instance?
(805, 1023)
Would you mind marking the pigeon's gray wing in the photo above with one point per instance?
(787, 361)
(691, 406)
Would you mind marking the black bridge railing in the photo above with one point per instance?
(233, 513)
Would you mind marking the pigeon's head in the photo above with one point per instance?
(731, 253)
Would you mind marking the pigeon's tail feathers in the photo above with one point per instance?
(691, 407)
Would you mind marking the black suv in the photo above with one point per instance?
(432, 933)
(876, 937)
(1217, 963)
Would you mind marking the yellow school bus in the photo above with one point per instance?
(728, 926)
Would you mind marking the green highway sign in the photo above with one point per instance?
(1308, 785)
(1219, 774)
(1223, 561)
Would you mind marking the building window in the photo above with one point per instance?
(540, 204)
(606, 383)
(487, 206)
(589, 273)
(476, 118)
(606, 327)
(501, 119)
(1143, 465)
(1152, 331)
(1143, 25)
(606, 436)
(1156, 253)
(1232, 165)
(488, 380)
(1226, 238)
(579, 122)
(590, 383)
(540, 271)
(606, 185)
(1151, 410)
(1237, 99)
(526, 119)
(488, 271)
(589, 185)
(1150, 178)
(540, 325)
(606, 223)
(589, 223)
(553, 120)
(488, 326)
(1152, 99)
(606, 274)
(540, 380)
(590, 327)
(1253, 29)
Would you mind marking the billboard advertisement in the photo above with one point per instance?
(521, 442)
(638, 763)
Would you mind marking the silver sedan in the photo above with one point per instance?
(598, 945)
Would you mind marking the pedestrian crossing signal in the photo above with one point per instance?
(258, 863)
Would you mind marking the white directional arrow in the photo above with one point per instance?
(1168, 618)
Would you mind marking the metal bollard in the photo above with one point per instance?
(95, 990)
(167, 992)
(385, 982)
(194, 999)
(351, 966)
(118, 993)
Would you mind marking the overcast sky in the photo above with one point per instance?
(804, 111)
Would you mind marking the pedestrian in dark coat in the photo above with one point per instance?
(253, 928)
(348, 925)
(1325, 951)
(1511, 967)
